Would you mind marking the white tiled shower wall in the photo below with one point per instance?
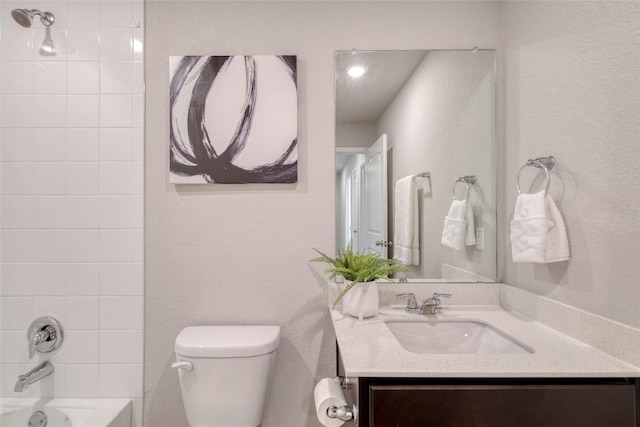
(71, 182)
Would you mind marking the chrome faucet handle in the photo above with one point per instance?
(431, 305)
(437, 295)
(45, 335)
(412, 303)
(39, 337)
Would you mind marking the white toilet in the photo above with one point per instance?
(225, 373)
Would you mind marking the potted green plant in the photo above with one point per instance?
(360, 269)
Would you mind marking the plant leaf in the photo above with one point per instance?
(357, 267)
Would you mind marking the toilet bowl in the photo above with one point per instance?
(225, 373)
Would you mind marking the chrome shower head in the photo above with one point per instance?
(24, 17)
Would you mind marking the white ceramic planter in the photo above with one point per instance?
(362, 300)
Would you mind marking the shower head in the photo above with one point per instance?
(25, 17)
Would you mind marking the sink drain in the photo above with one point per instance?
(38, 419)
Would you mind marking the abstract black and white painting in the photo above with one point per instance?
(233, 119)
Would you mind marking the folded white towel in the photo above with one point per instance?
(538, 233)
(406, 237)
(459, 227)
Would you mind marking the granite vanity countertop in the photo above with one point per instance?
(369, 349)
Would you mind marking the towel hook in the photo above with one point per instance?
(468, 181)
(544, 163)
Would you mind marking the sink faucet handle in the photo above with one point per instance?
(438, 295)
(430, 306)
(412, 303)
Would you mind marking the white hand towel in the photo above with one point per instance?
(538, 233)
(459, 227)
(406, 246)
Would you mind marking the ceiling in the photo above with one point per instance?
(365, 98)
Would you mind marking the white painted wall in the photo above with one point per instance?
(72, 203)
(239, 254)
(443, 121)
(572, 91)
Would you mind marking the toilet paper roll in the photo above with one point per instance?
(328, 393)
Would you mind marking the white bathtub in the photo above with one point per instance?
(15, 412)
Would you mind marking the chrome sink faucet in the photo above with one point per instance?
(36, 374)
(428, 306)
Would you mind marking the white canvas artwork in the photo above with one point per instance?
(233, 119)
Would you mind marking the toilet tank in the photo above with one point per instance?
(231, 371)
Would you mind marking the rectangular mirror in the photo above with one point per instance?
(418, 127)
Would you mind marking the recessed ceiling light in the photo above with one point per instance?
(356, 71)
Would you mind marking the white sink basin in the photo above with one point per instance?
(453, 336)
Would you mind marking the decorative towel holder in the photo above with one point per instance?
(468, 181)
(419, 175)
(544, 163)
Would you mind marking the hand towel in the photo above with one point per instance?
(459, 227)
(538, 233)
(406, 246)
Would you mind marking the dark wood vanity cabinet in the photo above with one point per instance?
(493, 402)
(389, 402)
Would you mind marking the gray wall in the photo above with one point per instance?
(239, 254)
(572, 91)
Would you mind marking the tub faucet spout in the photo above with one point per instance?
(36, 374)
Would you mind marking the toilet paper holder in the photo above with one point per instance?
(343, 413)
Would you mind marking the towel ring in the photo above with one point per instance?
(544, 163)
(468, 181)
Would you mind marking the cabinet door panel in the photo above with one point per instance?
(576, 405)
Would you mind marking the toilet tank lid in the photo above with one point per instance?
(227, 341)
